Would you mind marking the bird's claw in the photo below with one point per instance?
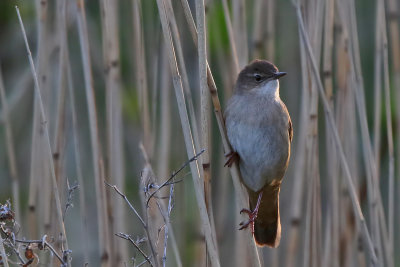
(252, 218)
(252, 215)
(231, 158)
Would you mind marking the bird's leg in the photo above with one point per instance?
(252, 215)
(231, 158)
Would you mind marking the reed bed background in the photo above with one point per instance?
(112, 137)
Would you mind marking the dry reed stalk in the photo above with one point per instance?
(36, 165)
(313, 242)
(64, 53)
(378, 85)
(198, 183)
(43, 121)
(78, 162)
(231, 36)
(392, 16)
(222, 200)
(240, 31)
(103, 230)
(164, 142)
(166, 218)
(331, 248)
(329, 116)
(43, 73)
(225, 193)
(242, 199)
(153, 218)
(257, 34)
(205, 114)
(327, 246)
(115, 145)
(223, 186)
(315, 29)
(185, 79)
(347, 14)
(10, 151)
(345, 116)
(59, 123)
(155, 92)
(377, 89)
(389, 128)
(58, 120)
(270, 31)
(205, 108)
(34, 175)
(300, 166)
(307, 248)
(141, 75)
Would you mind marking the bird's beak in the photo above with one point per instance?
(279, 75)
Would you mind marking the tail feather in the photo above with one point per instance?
(267, 226)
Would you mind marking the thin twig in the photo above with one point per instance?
(128, 237)
(42, 243)
(19, 256)
(127, 201)
(161, 207)
(173, 175)
(70, 197)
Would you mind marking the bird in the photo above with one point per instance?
(260, 132)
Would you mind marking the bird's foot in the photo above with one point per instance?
(231, 158)
(252, 215)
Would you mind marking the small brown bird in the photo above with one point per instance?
(260, 132)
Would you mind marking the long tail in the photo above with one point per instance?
(267, 226)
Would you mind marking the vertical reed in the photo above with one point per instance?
(341, 93)
(103, 230)
(210, 240)
(115, 156)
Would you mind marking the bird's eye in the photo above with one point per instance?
(257, 77)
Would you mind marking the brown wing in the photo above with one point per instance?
(290, 130)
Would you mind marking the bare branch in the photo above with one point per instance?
(174, 174)
(71, 191)
(129, 238)
(127, 201)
